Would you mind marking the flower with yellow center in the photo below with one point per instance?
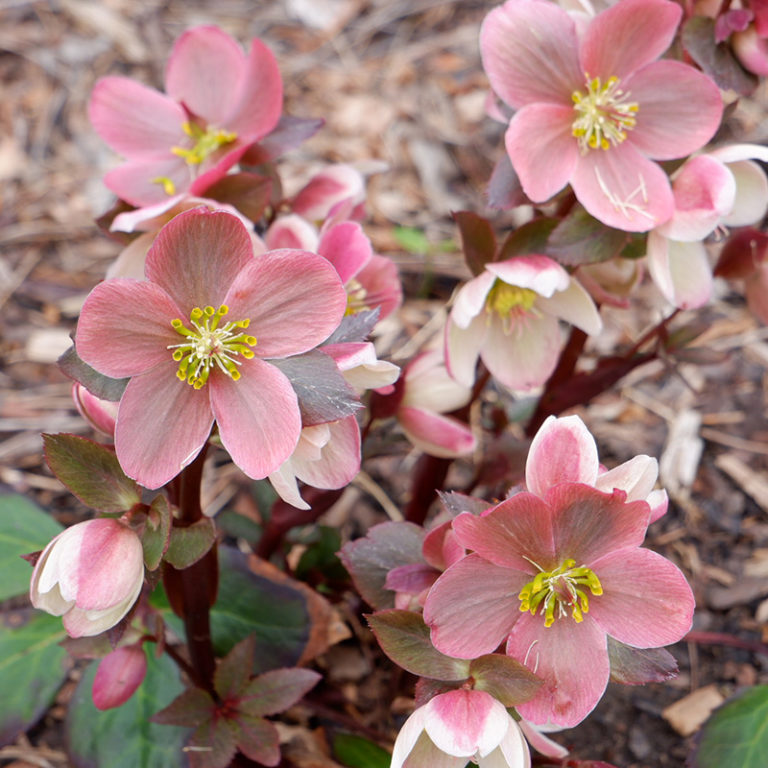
(604, 114)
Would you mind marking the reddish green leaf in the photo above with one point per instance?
(504, 188)
(96, 383)
(213, 743)
(637, 666)
(248, 192)
(530, 238)
(157, 531)
(276, 690)
(478, 240)
(234, 670)
(191, 708)
(581, 239)
(258, 740)
(189, 544)
(504, 678)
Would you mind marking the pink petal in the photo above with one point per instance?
(412, 579)
(162, 425)
(562, 451)
(680, 109)
(514, 750)
(571, 690)
(516, 534)
(141, 182)
(380, 279)
(462, 348)
(340, 458)
(472, 594)
(635, 477)
(681, 271)
(258, 417)
(135, 120)
(646, 601)
(535, 272)
(627, 36)
(428, 385)
(197, 256)
(529, 52)
(470, 299)
(751, 200)
(125, 327)
(623, 189)
(291, 231)
(294, 300)
(658, 501)
(409, 734)
(541, 743)
(347, 247)
(575, 306)
(588, 524)
(542, 148)
(434, 434)
(327, 189)
(441, 547)
(118, 676)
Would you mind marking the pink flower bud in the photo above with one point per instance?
(751, 50)
(119, 674)
(91, 574)
(100, 414)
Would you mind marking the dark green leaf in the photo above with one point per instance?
(478, 240)
(96, 383)
(581, 239)
(358, 752)
(238, 526)
(157, 531)
(214, 743)
(187, 545)
(92, 472)
(530, 238)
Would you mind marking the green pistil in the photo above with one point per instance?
(558, 590)
(206, 142)
(503, 298)
(603, 114)
(209, 346)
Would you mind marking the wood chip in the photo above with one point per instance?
(688, 714)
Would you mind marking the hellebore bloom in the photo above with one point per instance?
(553, 576)
(195, 337)
(219, 101)
(458, 726)
(118, 676)
(90, 574)
(595, 109)
(508, 316)
(100, 414)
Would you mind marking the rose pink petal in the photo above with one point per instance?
(680, 109)
(436, 434)
(347, 247)
(118, 676)
(646, 601)
(571, 658)
(135, 120)
(473, 593)
(536, 272)
(292, 231)
(412, 579)
(562, 451)
(197, 256)
(333, 185)
(141, 182)
(381, 281)
(681, 271)
(162, 424)
(340, 458)
(441, 547)
(516, 534)
(125, 327)
(627, 36)
(258, 417)
(623, 188)
(462, 348)
(658, 502)
(530, 52)
(294, 300)
(542, 148)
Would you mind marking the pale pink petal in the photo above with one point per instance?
(381, 281)
(473, 593)
(623, 189)
(541, 743)
(515, 534)
(734, 153)
(628, 36)
(347, 247)
(409, 734)
(203, 72)
(681, 271)
(441, 547)
(135, 120)
(635, 477)
(294, 300)
(470, 299)
(118, 676)
(562, 451)
(542, 148)
(142, 182)
(751, 49)
(529, 51)
(327, 189)
(411, 579)
(525, 356)
(571, 690)
(80, 623)
(283, 480)
(428, 385)
(125, 327)
(680, 109)
(464, 722)
(434, 434)
(536, 272)
(658, 501)
(513, 751)
(575, 306)
(462, 348)
(340, 457)
(258, 417)
(646, 601)
(292, 231)
(751, 201)
(162, 424)
(588, 524)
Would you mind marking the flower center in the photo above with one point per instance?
(356, 297)
(603, 115)
(207, 345)
(207, 141)
(558, 590)
(503, 298)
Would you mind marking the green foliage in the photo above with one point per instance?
(189, 544)
(358, 752)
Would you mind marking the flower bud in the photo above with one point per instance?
(119, 674)
(91, 574)
(100, 414)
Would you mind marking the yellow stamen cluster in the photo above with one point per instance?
(356, 297)
(167, 184)
(603, 114)
(209, 346)
(558, 590)
(207, 141)
(503, 298)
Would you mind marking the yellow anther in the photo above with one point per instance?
(168, 186)
(206, 142)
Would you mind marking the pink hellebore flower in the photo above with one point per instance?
(553, 577)
(118, 676)
(325, 190)
(721, 188)
(594, 108)
(326, 456)
(219, 101)
(91, 574)
(508, 316)
(195, 337)
(458, 726)
(100, 414)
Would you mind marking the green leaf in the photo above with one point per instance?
(412, 240)
(32, 668)
(478, 240)
(125, 737)
(276, 690)
(157, 530)
(581, 239)
(736, 735)
(637, 666)
(188, 545)
(404, 637)
(505, 678)
(358, 752)
(238, 526)
(96, 383)
(24, 528)
(92, 472)
(530, 238)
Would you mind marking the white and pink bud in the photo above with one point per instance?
(119, 674)
(100, 414)
(751, 50)
(333, 185)
(90, 574)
